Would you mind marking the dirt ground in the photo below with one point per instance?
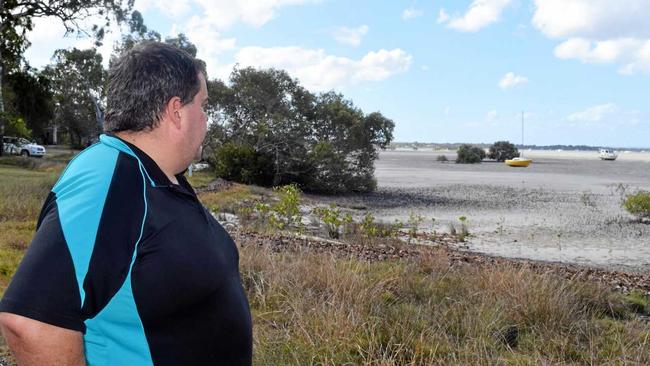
(565, 207)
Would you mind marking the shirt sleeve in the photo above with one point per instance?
(84, 244)
(44, 287)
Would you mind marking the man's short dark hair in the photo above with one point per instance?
(143, 80)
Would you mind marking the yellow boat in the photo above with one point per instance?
(518, 162)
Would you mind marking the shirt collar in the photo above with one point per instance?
(157, 177)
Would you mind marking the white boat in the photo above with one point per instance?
(607, 154)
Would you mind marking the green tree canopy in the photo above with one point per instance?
(77, 79)
(503, 150)
(28, 95)
(323, 143)
(468, 154)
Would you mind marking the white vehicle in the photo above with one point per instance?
(23, 147)
(607, 154)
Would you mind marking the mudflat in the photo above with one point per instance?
(565, 207)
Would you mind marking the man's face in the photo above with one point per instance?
(196, 120)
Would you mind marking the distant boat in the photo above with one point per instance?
(607, 154)
(520, 162)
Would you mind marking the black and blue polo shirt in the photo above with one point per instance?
(136, 263)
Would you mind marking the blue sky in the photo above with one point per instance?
(444, 71)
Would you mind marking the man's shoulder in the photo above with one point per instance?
(94, 168)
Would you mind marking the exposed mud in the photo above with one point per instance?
(565, 207)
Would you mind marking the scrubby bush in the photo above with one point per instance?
(333, 219)
(638, 204)
(502, 151)
(468, 154)
(442, 158)
(240, 163)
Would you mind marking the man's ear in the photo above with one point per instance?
(173, 111)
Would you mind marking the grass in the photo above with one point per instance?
(314, 309)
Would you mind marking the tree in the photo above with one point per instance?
(138, 32)
(502, 151)
(17, 19)
(266, 110)
(323, 143)
(468, 154)
(77, 79)
(29, 96)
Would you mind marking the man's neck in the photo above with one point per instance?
(152, 147)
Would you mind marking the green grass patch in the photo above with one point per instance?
(23, 191)
(201, 178)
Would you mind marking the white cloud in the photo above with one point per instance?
(593, 19)
(598, 31)
(491, 116)
(209, 43)
(425, 68)
(319, 71)
(442, 16)
(48, 35)
(593, 114)
(633, 54)
(411, 13)
(350, 36)
(171, 8)
(225, 13)
(480, 14)
(511, 80)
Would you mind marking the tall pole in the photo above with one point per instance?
(522, 134)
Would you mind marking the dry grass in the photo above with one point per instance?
(316, 310)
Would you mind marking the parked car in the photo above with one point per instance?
(21, 146)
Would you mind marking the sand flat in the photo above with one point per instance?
(565, 207)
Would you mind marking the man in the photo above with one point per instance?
(127, 267)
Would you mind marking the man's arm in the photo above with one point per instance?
(37, 343)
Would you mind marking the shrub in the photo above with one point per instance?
(468, 154)
(442, 158)
(333, 219)
(286, 212)
(240, 163)
(502, 150)
(638, 204)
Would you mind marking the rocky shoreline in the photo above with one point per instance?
(288, 241)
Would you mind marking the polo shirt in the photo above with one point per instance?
(136, 263)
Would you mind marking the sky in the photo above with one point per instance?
(443, 71)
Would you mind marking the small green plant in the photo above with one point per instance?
(286, 212)
(442, 158)
(638, 204)
(464, 232)
(588, 200)
(434, 234)
(372, 229)
(368, 227)
(501, 226)
(333, 219)
(414, 223)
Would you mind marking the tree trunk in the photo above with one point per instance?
(55, 132)
(2, 104)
